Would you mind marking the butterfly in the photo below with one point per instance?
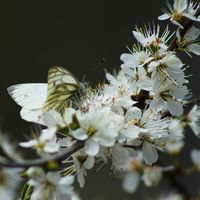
(37, 98)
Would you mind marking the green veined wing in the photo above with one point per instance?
(61, 86)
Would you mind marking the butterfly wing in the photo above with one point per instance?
(31, 97)
(35, 99)
(61, 86)
(33, 115)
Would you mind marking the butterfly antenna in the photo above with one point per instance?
(103, 60)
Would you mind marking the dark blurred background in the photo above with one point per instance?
(75, 34)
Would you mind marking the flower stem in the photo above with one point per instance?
(44, 162)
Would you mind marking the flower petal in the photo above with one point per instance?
(131, 182)
(180, 5)
(91, 147)
(164, 17)
(195, 156)
(28, 144)
(139, 37)
(133, 113)
(89, 163)
(80, 134)
(175, 107)
(194, 48)
(150, 154)
(192, 34)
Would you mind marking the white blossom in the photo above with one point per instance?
(55, 120)
(134, 60)
(132, 177)
(50, 186)
(131, 182)
(190, 41)
(81, 164)
(193, 118)
(195, 156)
(134, 70)
(175, 142)
(45, 143)
(100, 127)
(136, 171)
(151, 38)
(146, 129)
(119, 91)
(169, 97)
(9, 182)
(152, 176)
(181, 9)
(168, 68)
(121, 155)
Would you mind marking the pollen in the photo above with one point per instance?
(122, 90)
(91, 131)
(177, 16)
(135, 165)
(133, 122)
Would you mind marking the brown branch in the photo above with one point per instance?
(186, 27)
(44, 162)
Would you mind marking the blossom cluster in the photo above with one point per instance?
(128, 121)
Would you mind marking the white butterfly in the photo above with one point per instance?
(37, 98)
